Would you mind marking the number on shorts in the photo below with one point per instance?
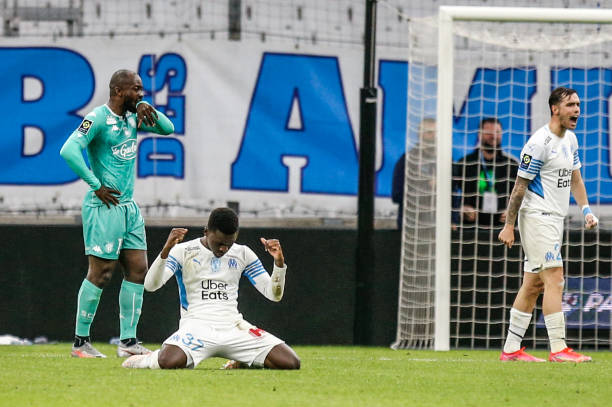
(192, 343)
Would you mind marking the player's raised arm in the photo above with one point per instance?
(150, 119)
(161, 270)
(271, 286)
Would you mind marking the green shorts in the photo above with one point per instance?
(107, 231)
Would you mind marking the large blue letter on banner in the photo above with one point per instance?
(501, 93)
(594, 89)
(393, 79)
(325, 137)
(170, 70)
(163, 157)
(67, 85)
(169, 161)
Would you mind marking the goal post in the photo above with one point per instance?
(447, 19)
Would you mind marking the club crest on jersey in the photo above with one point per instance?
(125, 151)
(525, 161)
(565, 152)
(215, 264)
(85, 126)
(232, 263)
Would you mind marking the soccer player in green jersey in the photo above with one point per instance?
(113, 227)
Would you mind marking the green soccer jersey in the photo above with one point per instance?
(111, 146)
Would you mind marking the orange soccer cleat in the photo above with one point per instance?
(568, 355)
(520, 356)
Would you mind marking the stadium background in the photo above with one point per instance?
(211, 61)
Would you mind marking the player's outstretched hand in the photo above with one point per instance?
(506, 236)
(590, 221)
(107, 196)
(176, 236)
(146, 114)
(273, 247)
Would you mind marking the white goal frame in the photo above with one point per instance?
(446, 18)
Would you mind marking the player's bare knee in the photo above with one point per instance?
(171, 358)
(137, 277)
(101, 277)
(561, 283)
(167, 362)
(294, 363)
(286, 358)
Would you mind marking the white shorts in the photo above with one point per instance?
(541, 239)
(242, 342)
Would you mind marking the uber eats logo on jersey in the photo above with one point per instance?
(214, 290)
(126, 150)
(565, 178)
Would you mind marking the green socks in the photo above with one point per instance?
(89, 297)
(130, 304)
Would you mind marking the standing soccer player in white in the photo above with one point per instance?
(549, 169)
(208, 271)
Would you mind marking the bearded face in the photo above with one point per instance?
(491, 136)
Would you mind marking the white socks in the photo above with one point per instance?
(519, 322)
(555, 325)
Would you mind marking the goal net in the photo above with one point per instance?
(483, 75)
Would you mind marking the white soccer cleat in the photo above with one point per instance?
(127, 351)
(136, 362)
(86, 350)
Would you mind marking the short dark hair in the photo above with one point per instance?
(486, 120)
(558, 95)
(225, 220)
(120, 79)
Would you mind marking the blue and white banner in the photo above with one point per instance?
(271, 128)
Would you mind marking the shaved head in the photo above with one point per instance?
(121, 79)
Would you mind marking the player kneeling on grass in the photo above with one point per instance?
(208, 271)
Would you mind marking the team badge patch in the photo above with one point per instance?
(525, 161)
(85, 126)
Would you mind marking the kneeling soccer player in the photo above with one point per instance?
(208, 270)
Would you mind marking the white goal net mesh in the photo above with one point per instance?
(503, 73)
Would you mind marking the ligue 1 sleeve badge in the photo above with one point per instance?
(525, 161)
(85, 126)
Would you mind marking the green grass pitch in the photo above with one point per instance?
(45, 375)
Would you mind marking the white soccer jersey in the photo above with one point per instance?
(208, 285)
(548, 161)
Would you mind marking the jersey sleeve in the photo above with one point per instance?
(162, 269)
(577, 163)
(253, 267)
(72, 153)
(272, 287)
(162, 126)
(87, 130)
(532, 159)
